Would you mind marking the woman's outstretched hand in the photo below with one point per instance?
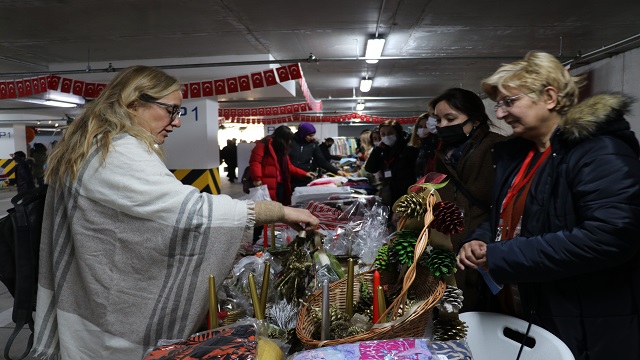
(300, 219)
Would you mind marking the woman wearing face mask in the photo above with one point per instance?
(395, 160)
(424, 138)
(465, 156)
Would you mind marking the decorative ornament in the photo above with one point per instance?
(283, 315)
(440, 261)
(382, 258)
(447, 218)
(403, 246)
(296, 271)
(411, 206)
(446, 329)
(451, 300)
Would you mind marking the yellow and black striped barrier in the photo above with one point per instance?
(207, 180)
(9, 167)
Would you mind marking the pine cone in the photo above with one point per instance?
(451, 300)
(411, 206)
(339, 329)
(403, 247)
(447, 218)
(449, 329)
(440, 261)
(382, 258)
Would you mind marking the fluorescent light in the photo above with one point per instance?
(365, 85)
(50, 102)
(374, 49)
(55, 98)
(360, 106)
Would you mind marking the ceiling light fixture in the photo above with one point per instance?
(374, 49)
(365, 84)
(49, 102)
(360, 106)
(55, 98)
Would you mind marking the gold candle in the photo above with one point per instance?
(349, 304)
(213, 303)
(273, 236)
(257, 308)
(265, 287)
(382, 304)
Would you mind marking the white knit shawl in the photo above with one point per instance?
(125, 255)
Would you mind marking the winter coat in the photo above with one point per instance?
(326, 152)
(577, 259)
(469, 187)
(24, 176)
(39, 161)
(264, 167)
(426, 156)
(400, 160)
(307, 156)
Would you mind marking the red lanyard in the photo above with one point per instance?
(522, 179)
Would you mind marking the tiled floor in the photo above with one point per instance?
(6, 301)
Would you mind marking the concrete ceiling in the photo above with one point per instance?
(431, 45)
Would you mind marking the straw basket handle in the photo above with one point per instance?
(421, 244)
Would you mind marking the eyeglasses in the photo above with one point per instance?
(508, 101)
(173, 110)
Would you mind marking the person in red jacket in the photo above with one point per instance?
(270, 165)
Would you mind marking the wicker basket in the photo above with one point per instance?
(425, 286)
(418, 280)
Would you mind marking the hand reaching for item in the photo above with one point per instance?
(300, 219)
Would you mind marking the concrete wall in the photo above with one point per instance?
(620, 73)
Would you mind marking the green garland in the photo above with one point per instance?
(382, 258)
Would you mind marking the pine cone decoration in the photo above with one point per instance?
(403, 247)
(447, 218)
(445, 329)
(440, 261)
(451, 300)
(382, 258)
(411, 206)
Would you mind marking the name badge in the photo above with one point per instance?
(387, 174)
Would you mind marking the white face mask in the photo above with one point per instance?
(431, 125)
(389, 140)
(376, 143)
(423, 132)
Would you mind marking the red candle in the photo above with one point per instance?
(265, 242)
(376, 283)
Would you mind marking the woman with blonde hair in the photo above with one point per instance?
(365, 145)
(562, 236)
(126, 248)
